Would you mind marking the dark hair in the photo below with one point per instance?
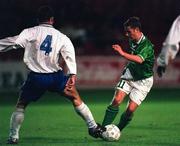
(44, 13)
(133, 22)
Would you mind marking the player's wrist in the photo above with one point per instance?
(123, 54)
(72, 75)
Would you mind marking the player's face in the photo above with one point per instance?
(131, 33)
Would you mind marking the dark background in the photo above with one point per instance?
(92, 25)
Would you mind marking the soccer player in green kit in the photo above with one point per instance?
(137, 77)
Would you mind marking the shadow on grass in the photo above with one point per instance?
(53, 141)
(61, 141)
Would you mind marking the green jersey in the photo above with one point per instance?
(145, 49)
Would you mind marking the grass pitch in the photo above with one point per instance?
(52, 121)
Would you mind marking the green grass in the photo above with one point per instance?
(53, 122)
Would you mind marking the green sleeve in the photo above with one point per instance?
(145, 51)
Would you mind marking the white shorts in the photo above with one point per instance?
(137, 90)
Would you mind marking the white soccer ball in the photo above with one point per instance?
(112, 133)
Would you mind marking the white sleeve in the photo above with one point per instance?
(68, 54)
(7, 43)
(24, 37)
(171, 45)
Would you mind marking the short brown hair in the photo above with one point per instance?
(133, 22)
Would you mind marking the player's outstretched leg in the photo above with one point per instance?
(16, 120)
(15, 124)
(95, 130)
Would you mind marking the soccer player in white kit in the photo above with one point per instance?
(170, 47)
(44, 46)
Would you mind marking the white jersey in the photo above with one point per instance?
(171, 44)
(44, 45)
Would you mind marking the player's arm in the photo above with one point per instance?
(5, 49)
(131, 57)
(71, 81)
(8, 43)
(170, 47)
(16, 42)
(167, 54)
(68, 54)
(163, 60)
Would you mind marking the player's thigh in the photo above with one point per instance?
(144, 85)
(140, 89)
(59, 82)
(71, 93)
(122, 89)
(124, 86)
(119, 96)
(132, 106)
(33, 88)
(60, 87)
(137, 95)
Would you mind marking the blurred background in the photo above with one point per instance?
(93, 26)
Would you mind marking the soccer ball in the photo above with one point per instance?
(112, 133)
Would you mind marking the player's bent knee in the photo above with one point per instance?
(73, 95)
(71, 92)
(115, 102)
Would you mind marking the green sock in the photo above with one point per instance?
(125, 120)
(110, 115)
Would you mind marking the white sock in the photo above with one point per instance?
(15, 122)
(86, 114)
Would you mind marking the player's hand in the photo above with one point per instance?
(70, 89)
(160, 70)
(71, 81)
(118, 49)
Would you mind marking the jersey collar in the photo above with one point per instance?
(135, 44)
(142, 38)
(45, 25)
